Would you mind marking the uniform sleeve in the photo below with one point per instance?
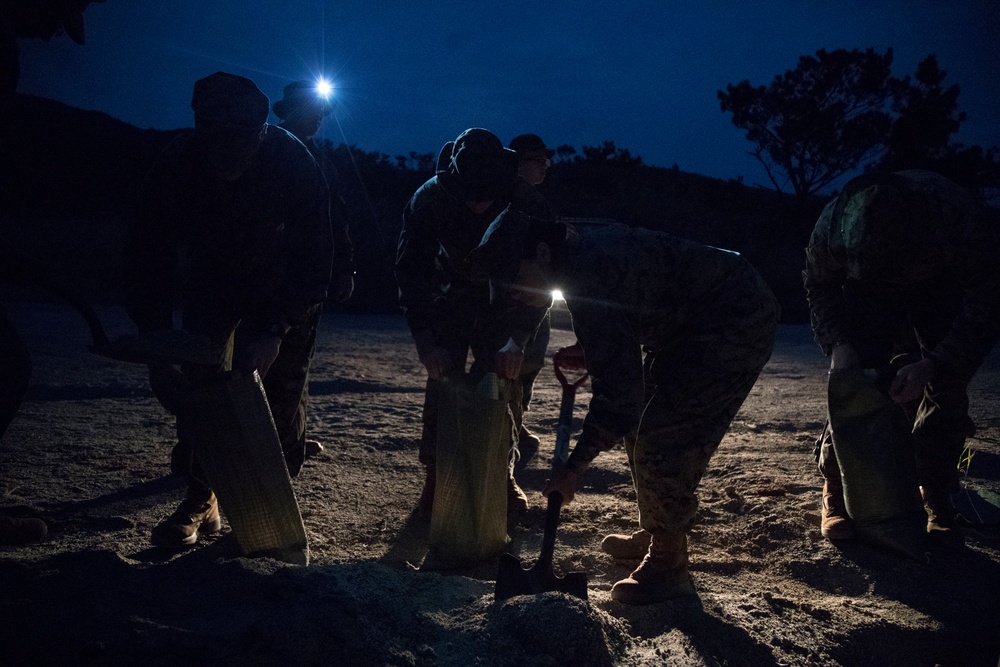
(416, 256)
(308, 260)
(824, 279)
(614, 361)
(975, 331)
(343, 247)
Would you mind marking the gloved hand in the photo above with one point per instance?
(169, 385)
(259, 354)
(564, 481)
(342, 286)
(509, 360)
(570, 358)
(435, 359)
(909, 383)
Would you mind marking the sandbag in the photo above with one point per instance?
(475, 432)
(874, 448)
(237, 445)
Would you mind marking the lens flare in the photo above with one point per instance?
(324, 88)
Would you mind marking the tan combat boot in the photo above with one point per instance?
(662, 576)
(632, 546)
(198, 514)
(942, 525)
(836, 525)
(517, 501)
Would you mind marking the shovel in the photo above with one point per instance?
(169, 346)
(512, 578)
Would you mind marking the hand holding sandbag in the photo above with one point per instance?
(169, 385)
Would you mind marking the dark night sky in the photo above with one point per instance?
(411, 75)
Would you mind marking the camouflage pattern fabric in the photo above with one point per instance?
(257, 251)
(262, 244)
(951, 255)
(707, 321)
(949, 311)
(343, 256)
(441, 293)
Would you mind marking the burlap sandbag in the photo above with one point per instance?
(871, 437)
(475, 431)
(237, 445)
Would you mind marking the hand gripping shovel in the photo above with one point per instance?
(512, 578)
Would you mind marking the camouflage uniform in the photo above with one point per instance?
(258, 255)
(930, 285)
(707, 321)
(291, 369)
(440, 293)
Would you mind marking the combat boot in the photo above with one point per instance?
(632, 546)
(426, 503)
(14, 531)
(662, 576)
(527, 446)
(942, 523)
(517, 501)
(198, 514)
(835, 524)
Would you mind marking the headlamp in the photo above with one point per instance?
(324, 88)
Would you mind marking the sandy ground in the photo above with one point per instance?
(90, 449)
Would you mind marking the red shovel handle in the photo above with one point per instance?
(570, 359)
(567, 359)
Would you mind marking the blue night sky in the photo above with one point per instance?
(412, 75)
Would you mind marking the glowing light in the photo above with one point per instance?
(324, 88)
(557, 295)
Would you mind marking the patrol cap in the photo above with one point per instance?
(299, 94)
(529, 146)
(883, 229)
(229, 101)
(477, 167)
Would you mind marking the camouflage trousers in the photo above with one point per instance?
(534, 361)
(286, 383)
(887, 321)
(697, 388)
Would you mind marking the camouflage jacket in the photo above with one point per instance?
(439, 232)
(967, 248)
(343, 256)
(264, 238)
(629, 287)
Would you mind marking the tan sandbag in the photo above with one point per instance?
(238, 447)
(871, 437)
(475, 432)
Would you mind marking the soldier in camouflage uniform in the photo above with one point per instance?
(301, 110)
(533, 160)
(446, 303)
(247, 208)
(711, 321)
(901, 262)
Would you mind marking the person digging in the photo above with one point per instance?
(707, 321)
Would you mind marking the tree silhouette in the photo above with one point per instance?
(827, 117)
(920, 138)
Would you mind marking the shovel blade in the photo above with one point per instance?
(514, 580)
(170, 346)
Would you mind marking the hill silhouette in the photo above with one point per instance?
(71, 176)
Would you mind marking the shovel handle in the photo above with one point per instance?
(549, 537)
(567, 359)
